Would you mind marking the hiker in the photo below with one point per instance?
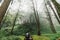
(28, 37)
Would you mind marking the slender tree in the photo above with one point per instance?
(57, 6)
(3, 9)
(14, 23)
(52, 25)
(57, 17)
(36, 18)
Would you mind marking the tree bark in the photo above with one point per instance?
(51, 23)
(54, 12)
(3, 9)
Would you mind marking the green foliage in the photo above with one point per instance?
(35, 37)
(10, 38)
(22, 29)
(5, 35)
(52, 36)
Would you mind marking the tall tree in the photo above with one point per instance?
(52, 25)
(57, 6)
(3, 9)
(36, 18)
(3, 21)
(57, 17)
(14, 22)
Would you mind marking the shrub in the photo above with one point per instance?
(10, 38)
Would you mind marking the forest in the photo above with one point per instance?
(39, 19)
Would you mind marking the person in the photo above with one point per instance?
(28, 37)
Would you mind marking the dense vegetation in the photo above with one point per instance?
(12, 27)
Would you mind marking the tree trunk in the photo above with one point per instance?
(57, 6)
(51, 23)
(54, 12)
(14, 23)
(37, 19)
(3, 9)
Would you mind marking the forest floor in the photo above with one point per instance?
(5, 35)
(35, 37)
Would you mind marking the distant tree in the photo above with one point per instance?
(3, 9)
(36, 18)
(14, 23)
(52, 25)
